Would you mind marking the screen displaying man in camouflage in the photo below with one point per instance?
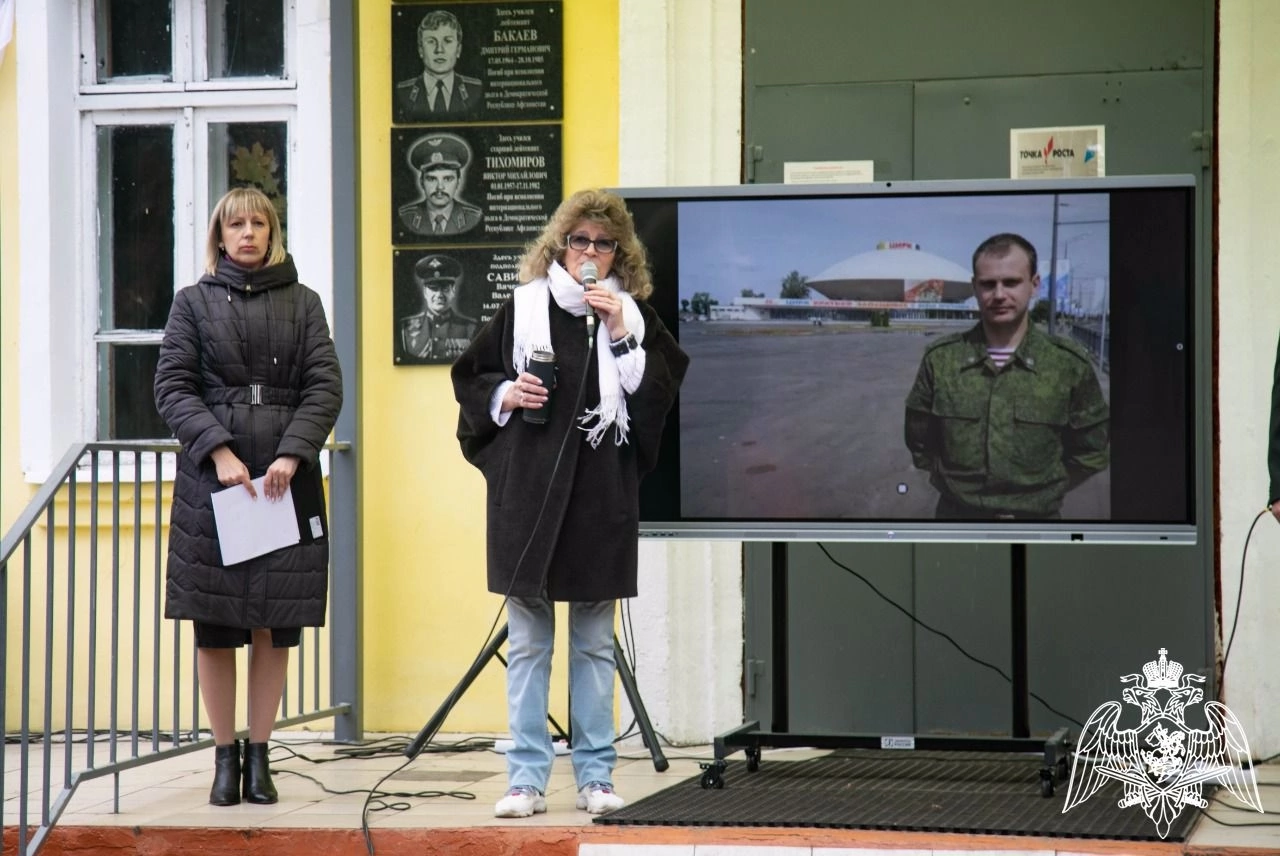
(438, 331)
(440, 92)
(1004, 417)
(440, 163)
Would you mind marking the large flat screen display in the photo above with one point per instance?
(907, 361)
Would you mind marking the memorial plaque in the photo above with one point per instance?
(462, 62)
(443, 297)
(473, 185)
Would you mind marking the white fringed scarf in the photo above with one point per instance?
(532, 332)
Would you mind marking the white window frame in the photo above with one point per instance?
(62, 106)
(200, 136)
(199, 32)
(91, 261)
(179, 61)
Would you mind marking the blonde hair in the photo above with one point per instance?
(608, 210)
(237, 201)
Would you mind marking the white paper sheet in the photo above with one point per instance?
(249, 527)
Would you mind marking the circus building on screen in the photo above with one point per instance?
(896, 277)
(897, 272)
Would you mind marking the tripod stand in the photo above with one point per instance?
(628, 680)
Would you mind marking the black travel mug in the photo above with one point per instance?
(542, 364)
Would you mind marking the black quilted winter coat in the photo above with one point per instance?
(232, 339)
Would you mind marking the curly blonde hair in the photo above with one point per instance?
(608, 210)
(243, 200)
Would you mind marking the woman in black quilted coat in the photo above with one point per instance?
(249, 383)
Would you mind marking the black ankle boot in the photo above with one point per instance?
(226, 775)
(257, 775)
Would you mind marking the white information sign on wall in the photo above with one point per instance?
(1077, 151)
(828, 172)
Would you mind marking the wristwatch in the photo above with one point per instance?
(625, 345)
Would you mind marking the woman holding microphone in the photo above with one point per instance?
(563, 476)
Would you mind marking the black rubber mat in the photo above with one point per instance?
(967, 792)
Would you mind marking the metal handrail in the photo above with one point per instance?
(122, 617)
(44, 497)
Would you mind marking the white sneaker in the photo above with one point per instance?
(520, 802)
(599, 797)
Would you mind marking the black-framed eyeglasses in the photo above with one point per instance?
(604, 246)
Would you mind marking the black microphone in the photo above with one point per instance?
(589, 272)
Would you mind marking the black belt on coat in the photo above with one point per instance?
(254, 393)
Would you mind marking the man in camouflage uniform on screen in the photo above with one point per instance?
(1005, 417)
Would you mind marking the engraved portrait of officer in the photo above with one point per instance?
(439, 163)
(437, 332)
(440, 92)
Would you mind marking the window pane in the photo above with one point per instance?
(134, 38)
(250, 154)
(135, 202)
(246, 38)
(126, 402)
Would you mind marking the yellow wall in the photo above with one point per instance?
(13, 491)
(426, 606)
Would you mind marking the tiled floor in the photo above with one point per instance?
(326, 785)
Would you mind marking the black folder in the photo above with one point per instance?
(307, 488)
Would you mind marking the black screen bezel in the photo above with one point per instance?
(1153, 312)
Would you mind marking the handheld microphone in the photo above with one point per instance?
(589, 272)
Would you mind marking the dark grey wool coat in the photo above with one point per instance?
(586, 543)
(224, 333)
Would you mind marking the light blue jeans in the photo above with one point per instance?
(531, 624)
